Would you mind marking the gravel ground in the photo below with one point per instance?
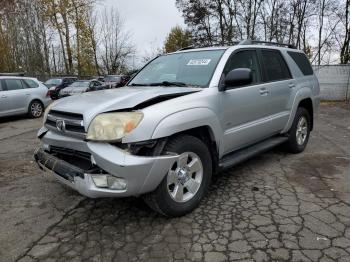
(276, 206)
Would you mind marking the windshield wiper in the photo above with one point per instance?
(134, 84)
(168, 83)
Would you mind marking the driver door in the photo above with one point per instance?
(244, 108)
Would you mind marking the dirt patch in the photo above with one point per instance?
(313, 171)
(341, 104)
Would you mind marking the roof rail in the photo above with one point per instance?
(252, 42)
(186, 48)
(13, 74)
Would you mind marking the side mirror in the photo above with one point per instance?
(238, 77)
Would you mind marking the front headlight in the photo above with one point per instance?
(47, 110)
(113, 126)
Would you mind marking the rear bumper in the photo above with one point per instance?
(142, 174)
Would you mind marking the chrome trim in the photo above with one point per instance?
(67, 121)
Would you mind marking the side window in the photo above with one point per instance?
(30, 83)
(97, 83)
(275, 67)
(13, 84)
(244, 59)
(302, 62)
(1, 86)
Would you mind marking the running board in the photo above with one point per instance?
(244, 154)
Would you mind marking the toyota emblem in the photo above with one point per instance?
(60, 125)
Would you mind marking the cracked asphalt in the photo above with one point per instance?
(275, 207)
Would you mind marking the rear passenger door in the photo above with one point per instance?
(15, 95)
(3, 100)
(278, 82)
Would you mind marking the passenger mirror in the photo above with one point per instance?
(238, 77)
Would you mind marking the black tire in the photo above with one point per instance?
(160, 200)
(35, 109)
(293, 145)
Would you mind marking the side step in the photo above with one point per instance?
(244, 154)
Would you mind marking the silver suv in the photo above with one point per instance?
(184, 117)
(22, 95)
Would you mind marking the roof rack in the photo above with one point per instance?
(252, 42)
(246, 42)
(187, 48)
(13, 74)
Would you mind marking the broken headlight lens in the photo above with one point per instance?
(113, 126)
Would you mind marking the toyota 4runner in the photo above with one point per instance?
(182, 118)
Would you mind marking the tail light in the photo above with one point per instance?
(48, 94)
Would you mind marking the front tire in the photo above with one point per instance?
(36, 109)
(187, 180)
(300, 131)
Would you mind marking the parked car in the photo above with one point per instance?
(101, 78)
(182, 118)
(81, 86)
(114, 81)
(55, 85)
(22, 95)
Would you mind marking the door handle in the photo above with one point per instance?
(3, 96)
(291, 85)
(264, 91)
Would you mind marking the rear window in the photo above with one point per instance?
(275, 67)
(31, 83)
(13, 84)
(302, 62)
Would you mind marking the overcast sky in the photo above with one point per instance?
(148, 20)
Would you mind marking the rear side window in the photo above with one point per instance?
(302, 62)
(13, 84)
(30, 83)
(275, 67)
(0, 86)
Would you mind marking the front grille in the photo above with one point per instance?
(70, 123)
(70, 152)
(66, 115)
(73, 157)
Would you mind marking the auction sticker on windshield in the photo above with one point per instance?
(198, 62)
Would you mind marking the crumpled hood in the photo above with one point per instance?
(91, 104)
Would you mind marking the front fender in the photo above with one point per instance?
(301, 94)
(189, 119)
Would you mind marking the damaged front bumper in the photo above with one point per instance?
(139, 174)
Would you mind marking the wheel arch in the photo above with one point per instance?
(307, 104)
(302, 98)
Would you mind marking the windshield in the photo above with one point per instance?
(190, 68)
(80, 84)
(54, 81)
(112, 78)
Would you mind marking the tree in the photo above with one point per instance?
(177, 39)
(115, 42)
(345, 45)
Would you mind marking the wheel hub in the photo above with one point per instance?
(302, 130)
(185, 177)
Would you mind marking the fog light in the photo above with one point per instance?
(100, 180)
(116, 183)
(108, 181)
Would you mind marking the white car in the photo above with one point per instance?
(22, 95)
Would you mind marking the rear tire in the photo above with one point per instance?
(35, 109)
(299, 133)
(187, 181)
